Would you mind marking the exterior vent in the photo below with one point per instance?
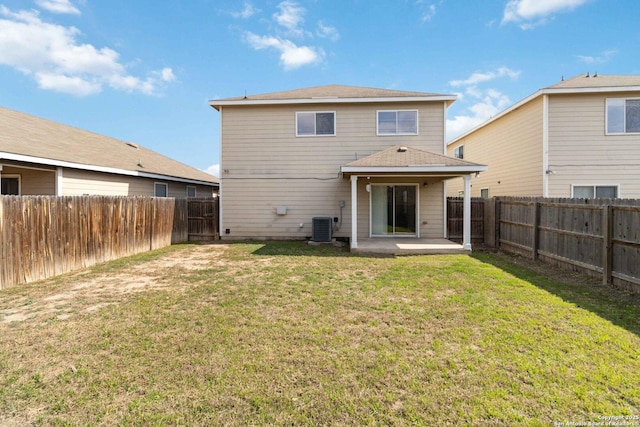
(321, 229)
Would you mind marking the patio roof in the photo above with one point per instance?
(408, 160)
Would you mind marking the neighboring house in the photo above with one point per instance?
(41, 157)
(369, 161)
(578, 138)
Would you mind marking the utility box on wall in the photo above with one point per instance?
(321, 229)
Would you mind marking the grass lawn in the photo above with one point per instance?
(283, 333)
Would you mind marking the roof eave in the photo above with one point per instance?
(321, 100)
(413, 169)
(95, 168)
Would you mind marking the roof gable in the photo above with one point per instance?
(25, 135)
(580, 84)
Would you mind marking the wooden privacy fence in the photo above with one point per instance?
(202, 217)
(455, 211)
(597, 236)
(42, 236)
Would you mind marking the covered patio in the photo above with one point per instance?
(405, 192)
(408, 246)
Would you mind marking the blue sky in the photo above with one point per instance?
(143, 71)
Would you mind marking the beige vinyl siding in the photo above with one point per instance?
(580, 153)
(77, 182)
(33, 182)
(264, 165)
(511, 147)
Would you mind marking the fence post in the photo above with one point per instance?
(607, 240)
(535, 243)
(497, 222)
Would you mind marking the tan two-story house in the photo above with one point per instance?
(577, 138)
(336, 162)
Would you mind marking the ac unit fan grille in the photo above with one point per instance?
(322, 229)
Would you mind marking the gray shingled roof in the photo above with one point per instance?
(330, 92)
(32, 136)
(397, 157)
(597, 81)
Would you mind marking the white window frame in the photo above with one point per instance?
(158, 184)
(194, 191)
(315, 130)
(484, 189)
(624, 122)
(617, 186)
(14, 175)
(396, 133)
(456, 152)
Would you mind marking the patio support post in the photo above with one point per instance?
(466, 221)
(354, 211)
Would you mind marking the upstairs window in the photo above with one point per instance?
(402, 122)
(623, 116)
(595, 191)
(315, 123)
(458, 152)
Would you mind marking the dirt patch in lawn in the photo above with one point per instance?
(86, 291)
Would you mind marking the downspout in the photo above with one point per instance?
(59, 180)
(545, 145)
(220, 199)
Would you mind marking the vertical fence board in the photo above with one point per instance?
(43, 236)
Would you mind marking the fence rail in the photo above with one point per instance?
(597, 236)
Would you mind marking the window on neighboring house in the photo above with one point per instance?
(484, 193)
(623, 116)
(191, 191)
(314, 123)
(458, 152)
(594, 191)
(10, 185)
(160, 189)
(398, 122)
(460, 193)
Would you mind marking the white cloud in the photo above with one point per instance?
(428, 13)
(291, 16)
(248, 10)
(291, 55)
(53, 56)
(58, 6)
(476, 78)
(214, 170)
(327, 31)
(532, 13)
(71, 85)
(483, 103)
(601, 59)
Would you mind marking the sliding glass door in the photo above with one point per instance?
(393, 210)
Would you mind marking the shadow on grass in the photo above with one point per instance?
(617, 306)
(303, 248)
